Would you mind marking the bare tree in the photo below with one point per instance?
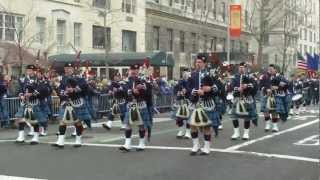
(264, 17)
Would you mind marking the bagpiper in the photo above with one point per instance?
(181, 111)
(244, 104)
(204, 111)
(32, 94)
(73, 110)
(137, 113)
(117, 92)
(274, 101)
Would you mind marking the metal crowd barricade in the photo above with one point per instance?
(101, 104)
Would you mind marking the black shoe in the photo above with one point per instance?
(193, 153)
(179, 137)
(124, 149)
(58, 146)
(34, 143)
(19, 142)
(77, 145)
(266, 130)
(204, 154)
(139, 149)
(106, 127)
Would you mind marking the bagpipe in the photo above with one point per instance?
(134, 106)
(182, 106)
(30, 100)
(116, 101)
(200, 105)
(72, 101)
(242, 95)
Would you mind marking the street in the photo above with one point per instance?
(291, 153)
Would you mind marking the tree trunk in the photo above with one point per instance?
(20, 59)
(260, 51)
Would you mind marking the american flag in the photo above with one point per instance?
(301, 63)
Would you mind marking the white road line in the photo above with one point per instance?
(315, 139)
(3, 177)
(238, 146)
(279, 156)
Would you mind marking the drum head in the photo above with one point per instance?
(229, 96)
(296, 97)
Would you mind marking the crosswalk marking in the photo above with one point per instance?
(309, 141)
(3, 177)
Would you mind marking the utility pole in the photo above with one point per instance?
(106, 40)
(228, 32)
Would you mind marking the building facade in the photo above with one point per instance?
(178, 27)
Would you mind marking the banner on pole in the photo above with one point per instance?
(235, 21)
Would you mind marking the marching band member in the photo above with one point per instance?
(32, 94)
(297, 98)
(44, 103)
(137, 113)
(181, 110)
(118, 91)
(274, 102)
(244, 104)
(315, 90)
(73, 110)
(307, 93)
(203, 92)
(4, 116)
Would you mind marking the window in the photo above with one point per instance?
(129, 6)
(156, 40)
(223, 11)
(41, 26)
(129, 41)
(214, 44)
(1, 26)
(305, 48)
(101, 4)
(232, 45)
(266, 39)
(9, 27)
(77, 34)
(170, 2)
(61, 35)
(214, 7)
(223, 41)
(182, 41)
(205, 42)
(305, 34)
(310, 36)
(246, 17)
(170, 39)
(247, 47)
(99, 35)
(193, 41)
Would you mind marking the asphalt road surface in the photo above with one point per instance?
(290, 154)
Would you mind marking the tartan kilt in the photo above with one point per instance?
(220, 105)
(263, 104)
(281, 104)
(145, 117)
(252, 112)
(40, 115)
(81, 112)
(123, 109)
(214, 117)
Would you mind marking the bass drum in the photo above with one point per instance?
(297, 97)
